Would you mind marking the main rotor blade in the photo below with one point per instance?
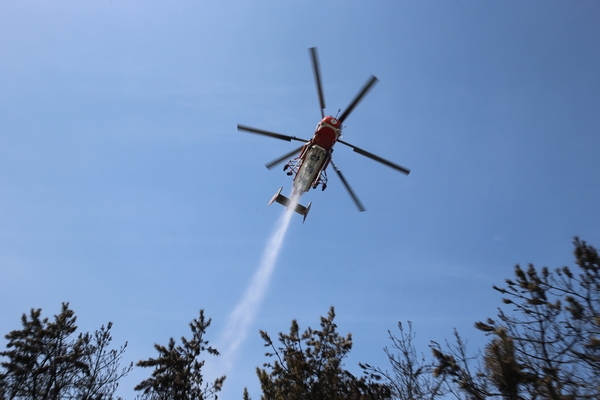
(376, 158)
(283, 158)
(270, 134)
(359, 205)
(365, 89)
(317, 72)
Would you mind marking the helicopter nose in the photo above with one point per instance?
(334, 122)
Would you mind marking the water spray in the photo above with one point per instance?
(244, 314)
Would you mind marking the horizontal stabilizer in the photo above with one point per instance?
(284, 201)
(274, 199)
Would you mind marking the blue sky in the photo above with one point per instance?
(126, 190)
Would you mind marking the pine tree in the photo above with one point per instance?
(177, 373)
(47, 360)
(310, 366)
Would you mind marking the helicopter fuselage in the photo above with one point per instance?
(309, 168)
(315, 156)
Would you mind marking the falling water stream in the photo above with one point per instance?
(244, 314)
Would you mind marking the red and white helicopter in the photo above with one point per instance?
(309, 167)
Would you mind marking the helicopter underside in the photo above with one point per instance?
(315, 155)
(309, 169)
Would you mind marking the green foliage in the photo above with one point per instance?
(546, 346)
(47, 361)
(177, 371)
(504, 371)
(310, 366)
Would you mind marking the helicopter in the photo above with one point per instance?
(314, 156)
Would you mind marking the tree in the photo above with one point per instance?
(177, 371)
(47, 361)
(502, 366)
(411, 377)
(104, 371)
(554, 345)
(546, 346)
(455, 368)
(582, 296)
(310, 366)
